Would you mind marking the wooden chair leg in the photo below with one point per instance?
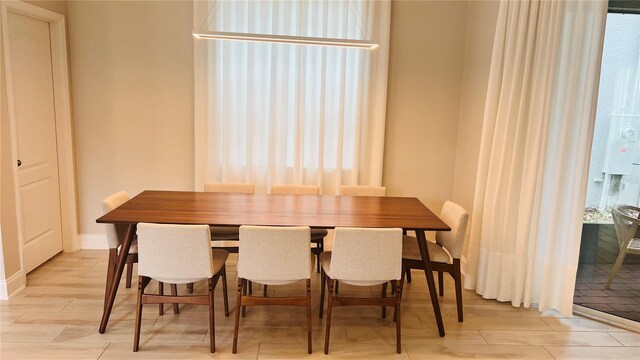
(250, 288)
(441, 283)
(323, 280)
(174, 292)
(224, 290)
(138, 324)
(383, 294)
(246, 285)
(129, 275)
(394, 286)
(237, 323)
(408, 273)
(327, 334)
(401, 284)
(160, 292)
(398, 315)
(458, 280)
(616, 267)
(212, 323)
(190, 288)
(318, 263)
(309, 328)
(337, 284)
(321, 245)
(264, 290)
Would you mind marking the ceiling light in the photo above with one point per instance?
(302, 40)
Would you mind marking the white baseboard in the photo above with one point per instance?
(93, 241)
(13, 285)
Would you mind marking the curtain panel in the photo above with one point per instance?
(534, 155)
(270, 113)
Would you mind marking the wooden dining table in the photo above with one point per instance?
(316, 211)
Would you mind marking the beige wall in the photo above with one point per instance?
(480, 30)
(426, 61)
(132, 83)
(56, 6)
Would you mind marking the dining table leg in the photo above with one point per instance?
(117, 275)
(424, 253)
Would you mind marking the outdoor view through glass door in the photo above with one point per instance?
(614, 180)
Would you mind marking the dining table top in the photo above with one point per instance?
(317, 211)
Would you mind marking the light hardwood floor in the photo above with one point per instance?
(57, 317)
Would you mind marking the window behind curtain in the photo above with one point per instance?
(278, 113)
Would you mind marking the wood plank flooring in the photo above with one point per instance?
(57, 317)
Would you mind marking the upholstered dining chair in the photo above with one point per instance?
(177, 254)
(294, 189)
(363, 257)
(273, 256)
(317, 235)
(227, 236)
(445, 253)
(626, 220)
(115, 236)
(362, 190)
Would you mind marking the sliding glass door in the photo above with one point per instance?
(614, 178)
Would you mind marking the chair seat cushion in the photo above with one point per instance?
(219, 258)
(411, 251)
(325, 263)
(318, 234)
(133, 249)
(225, 232)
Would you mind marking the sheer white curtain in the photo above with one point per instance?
(534, 155)
(278, 113)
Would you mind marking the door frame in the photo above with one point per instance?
(64, 132)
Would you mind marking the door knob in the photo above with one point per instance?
(19, 162)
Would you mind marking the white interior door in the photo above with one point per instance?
(35, 137)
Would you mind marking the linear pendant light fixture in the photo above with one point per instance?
(302, 40)
(286, 39)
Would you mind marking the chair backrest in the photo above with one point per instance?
(176, 254)
(626, 225)
(362, 190)
(456, 217)
(362, 256)
(290, 189)
(115, 232)
(274, 255)
(230, 188)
